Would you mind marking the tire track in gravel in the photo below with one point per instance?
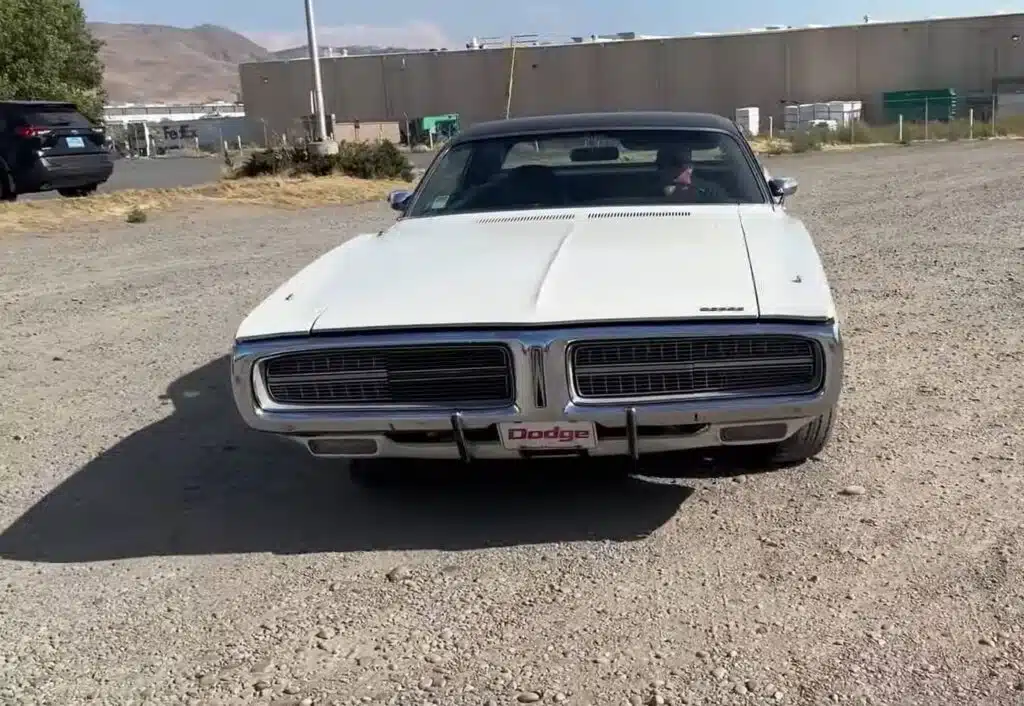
(154, 550)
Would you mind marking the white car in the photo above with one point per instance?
(598, 284)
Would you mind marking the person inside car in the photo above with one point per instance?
(678, 181)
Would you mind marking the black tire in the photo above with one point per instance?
(806, 443)
(7, 191)
(78, 191)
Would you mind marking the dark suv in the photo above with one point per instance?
(50, 145)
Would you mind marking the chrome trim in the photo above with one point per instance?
(540, 385)
(560, 402)
(493, 450)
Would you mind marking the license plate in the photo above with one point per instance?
(545, 436)
(75, 141)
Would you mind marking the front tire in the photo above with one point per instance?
(7, 191)
(806, 443)
(78, 191)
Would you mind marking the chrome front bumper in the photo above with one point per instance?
(543, 394)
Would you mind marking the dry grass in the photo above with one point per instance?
(764, 145)
(287, 193)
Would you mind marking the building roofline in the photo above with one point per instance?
(695, 36)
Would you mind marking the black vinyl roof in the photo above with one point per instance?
(626, 120)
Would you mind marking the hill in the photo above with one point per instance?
(157, 63)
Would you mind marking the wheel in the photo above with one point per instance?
(78, 191)
(805, 443)
(7, 192)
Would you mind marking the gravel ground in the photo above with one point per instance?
(155, 552)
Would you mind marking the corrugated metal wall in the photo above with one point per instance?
(717, 74)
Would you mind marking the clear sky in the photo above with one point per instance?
(451, 23)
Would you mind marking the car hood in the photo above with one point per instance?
(536, 268)
(552, 268)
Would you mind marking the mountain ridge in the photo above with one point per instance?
(152, 63)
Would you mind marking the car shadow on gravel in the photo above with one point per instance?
(199, 482)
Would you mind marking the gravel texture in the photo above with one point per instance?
(153, 551)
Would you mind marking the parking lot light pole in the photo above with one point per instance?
(323, 145)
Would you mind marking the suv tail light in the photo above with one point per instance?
(30, 131)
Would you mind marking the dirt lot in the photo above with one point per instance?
(154, 552)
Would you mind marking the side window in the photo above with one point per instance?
(444, 181)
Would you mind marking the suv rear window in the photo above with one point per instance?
(55, 116)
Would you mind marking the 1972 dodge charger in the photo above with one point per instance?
(592, 284)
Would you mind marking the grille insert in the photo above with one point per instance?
(463, 375)
(693, 366)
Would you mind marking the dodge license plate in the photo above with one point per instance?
(75, 142)
(545, 436)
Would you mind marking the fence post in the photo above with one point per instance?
(970, 124)
(771, 128)
(993, 114)
(926, 118)
(901, 128)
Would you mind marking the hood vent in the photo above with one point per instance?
(529, 219)
(640, 214)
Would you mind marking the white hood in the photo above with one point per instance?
(524, 269)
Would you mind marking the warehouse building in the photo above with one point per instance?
(767, 68)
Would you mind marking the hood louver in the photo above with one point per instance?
(528, 219)
(640, 214)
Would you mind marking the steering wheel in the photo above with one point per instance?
(536, 181)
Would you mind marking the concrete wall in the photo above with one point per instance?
(716, 73)
(367, 132)
(207, 134)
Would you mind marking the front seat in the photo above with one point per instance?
(532, 185)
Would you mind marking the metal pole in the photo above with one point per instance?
(318, 87)
(511, 76)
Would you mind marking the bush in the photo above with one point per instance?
(356, 159)
(136, 215)
(809, 140)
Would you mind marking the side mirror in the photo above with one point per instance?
(399, 200)
(782, 187)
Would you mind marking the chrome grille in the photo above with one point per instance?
(429, 375)
(685, 366)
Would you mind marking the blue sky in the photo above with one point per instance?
(451, 23)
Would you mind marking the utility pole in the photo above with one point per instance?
(514, 41)
(325, 145)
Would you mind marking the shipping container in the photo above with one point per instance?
(935, 105)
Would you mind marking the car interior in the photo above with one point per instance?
(508, 179)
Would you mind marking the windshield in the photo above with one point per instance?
(576, 169)
(56, 115)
